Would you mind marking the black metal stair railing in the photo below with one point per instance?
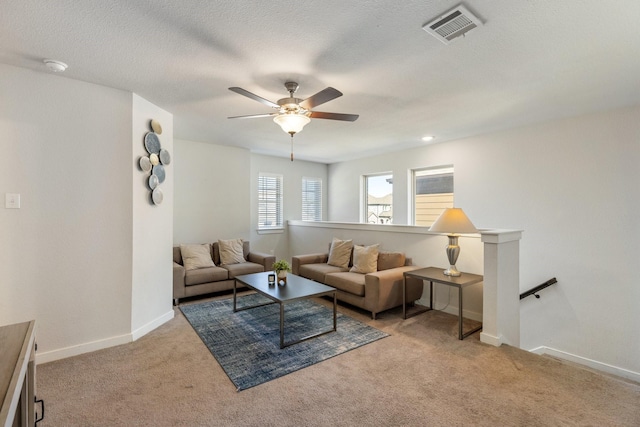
(534, 291)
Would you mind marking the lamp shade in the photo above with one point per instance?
(453, 220)
(291, 123)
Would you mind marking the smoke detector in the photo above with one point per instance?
(453, 24)
(55, 66)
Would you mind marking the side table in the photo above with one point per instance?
(435, 274)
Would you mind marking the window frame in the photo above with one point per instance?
(364, 194)
(316, 203)
(277, 200)
(424, 171)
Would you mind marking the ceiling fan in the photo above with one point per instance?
(294, 113)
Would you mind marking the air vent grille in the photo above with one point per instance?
(453, 24)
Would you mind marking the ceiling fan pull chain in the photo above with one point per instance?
(292, 147)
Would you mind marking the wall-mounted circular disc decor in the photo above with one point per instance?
(153, 182)
(152, 143)
(158, 170)
(165, 157)
(156, 126)
(157, 196)
(155, 162)
(145, 164)
(154, 159)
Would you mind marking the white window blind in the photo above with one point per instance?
(311, 199)
(269, 201)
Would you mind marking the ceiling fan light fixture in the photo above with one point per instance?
(292, 123)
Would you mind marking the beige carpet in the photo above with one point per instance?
(421, 375)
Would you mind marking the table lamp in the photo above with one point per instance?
(452, 222)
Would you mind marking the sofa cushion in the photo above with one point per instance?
(196, 256)
(340, 252)
(389, 260)
(365, 259)
(317, 272)
(243, 268)
(205, 275)
(352, 283)
(231, 251)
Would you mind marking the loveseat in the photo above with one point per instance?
(374, 291)
(214, 275)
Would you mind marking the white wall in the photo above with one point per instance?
(211, 192)
(572, 186)
(292, 174)
(152, 275)
(65, 255)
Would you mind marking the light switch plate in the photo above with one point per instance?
(12, 201)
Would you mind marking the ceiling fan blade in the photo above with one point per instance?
(252, 116)
(334, 116)
(321, 97)
(253, 96)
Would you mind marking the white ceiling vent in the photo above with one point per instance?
(453, 24)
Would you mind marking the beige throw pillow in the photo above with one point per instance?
(389, 260)
(365, 259)
(196, 256)
(231, 251)
(340, 253)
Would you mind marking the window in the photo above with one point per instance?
(432, 194)
(311, 199)
(378, 195)
(269, 201)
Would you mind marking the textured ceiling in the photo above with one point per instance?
(532, 61)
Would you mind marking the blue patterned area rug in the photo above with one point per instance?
(247, 343)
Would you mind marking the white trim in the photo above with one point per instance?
(145, 329)
(270, 230)
(75, 350)
(500, 236)
(63, 353)
(394, 228)
(490, 339)
(594, 364)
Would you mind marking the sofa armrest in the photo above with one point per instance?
(178, 280)
(266, 260)
(299, 260)
(384, 288)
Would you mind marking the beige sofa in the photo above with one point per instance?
(374, 292)
(187, 283)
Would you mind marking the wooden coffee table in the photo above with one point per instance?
(296, 288)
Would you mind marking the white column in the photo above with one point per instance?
(501, 289)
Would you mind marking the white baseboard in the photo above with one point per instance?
(63, 353)
(75, 350)
(604, 367)
(490, 339)
(144, 330)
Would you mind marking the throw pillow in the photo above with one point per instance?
(231, 251)
(196, 256)
(389, 260)
(340, 252)
(365, 259)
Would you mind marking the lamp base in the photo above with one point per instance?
(452, 271)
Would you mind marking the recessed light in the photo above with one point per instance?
(55, 66)
(428, 138)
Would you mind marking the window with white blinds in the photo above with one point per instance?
(432, 194)
(311, 199)
(269, 201)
